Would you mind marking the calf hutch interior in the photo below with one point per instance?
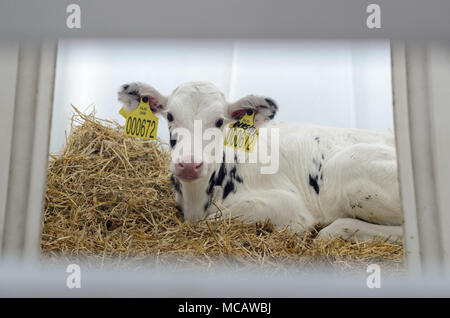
(109, 199)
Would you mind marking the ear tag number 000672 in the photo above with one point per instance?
(141, 122)
(243, 134)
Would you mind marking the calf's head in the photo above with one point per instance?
(197, 114)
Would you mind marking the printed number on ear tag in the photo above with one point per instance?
(243, 134)
(141, 122)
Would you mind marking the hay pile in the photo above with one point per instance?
(109, 198)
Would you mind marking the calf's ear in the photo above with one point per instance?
(130, 95)
(264, 108)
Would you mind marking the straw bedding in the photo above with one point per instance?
(109, 199)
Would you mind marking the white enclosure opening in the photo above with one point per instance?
(333, 83)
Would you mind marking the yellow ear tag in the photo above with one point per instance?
(123, 112)
(243, 134)
(141, 122)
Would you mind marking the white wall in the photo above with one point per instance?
(334, 83)
(372, 89)
(311, 81)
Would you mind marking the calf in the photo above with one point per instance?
(345, 179)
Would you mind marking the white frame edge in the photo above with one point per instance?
(28, 131)
(404, 156)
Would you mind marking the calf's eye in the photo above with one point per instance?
(219, 123)
(169, 117)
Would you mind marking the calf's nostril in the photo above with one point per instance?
(198, 166)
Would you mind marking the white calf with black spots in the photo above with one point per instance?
(344, 179)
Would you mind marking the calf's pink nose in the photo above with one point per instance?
(188, 170)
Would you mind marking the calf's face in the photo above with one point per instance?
(197, 114)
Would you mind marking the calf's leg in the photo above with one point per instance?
(280, 206)
(357, 230)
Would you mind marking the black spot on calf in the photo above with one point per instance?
(175, 183)
(211, 183)
(210, 191)
(233, 172)
(229, 187)
(173, 142)
(221, 174)
(235, 176)
(134, 93)
(271, 107)
(313, 183)
(271, 103)
(207, 204)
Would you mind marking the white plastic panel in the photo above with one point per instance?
(29, 114)
(421, 72)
